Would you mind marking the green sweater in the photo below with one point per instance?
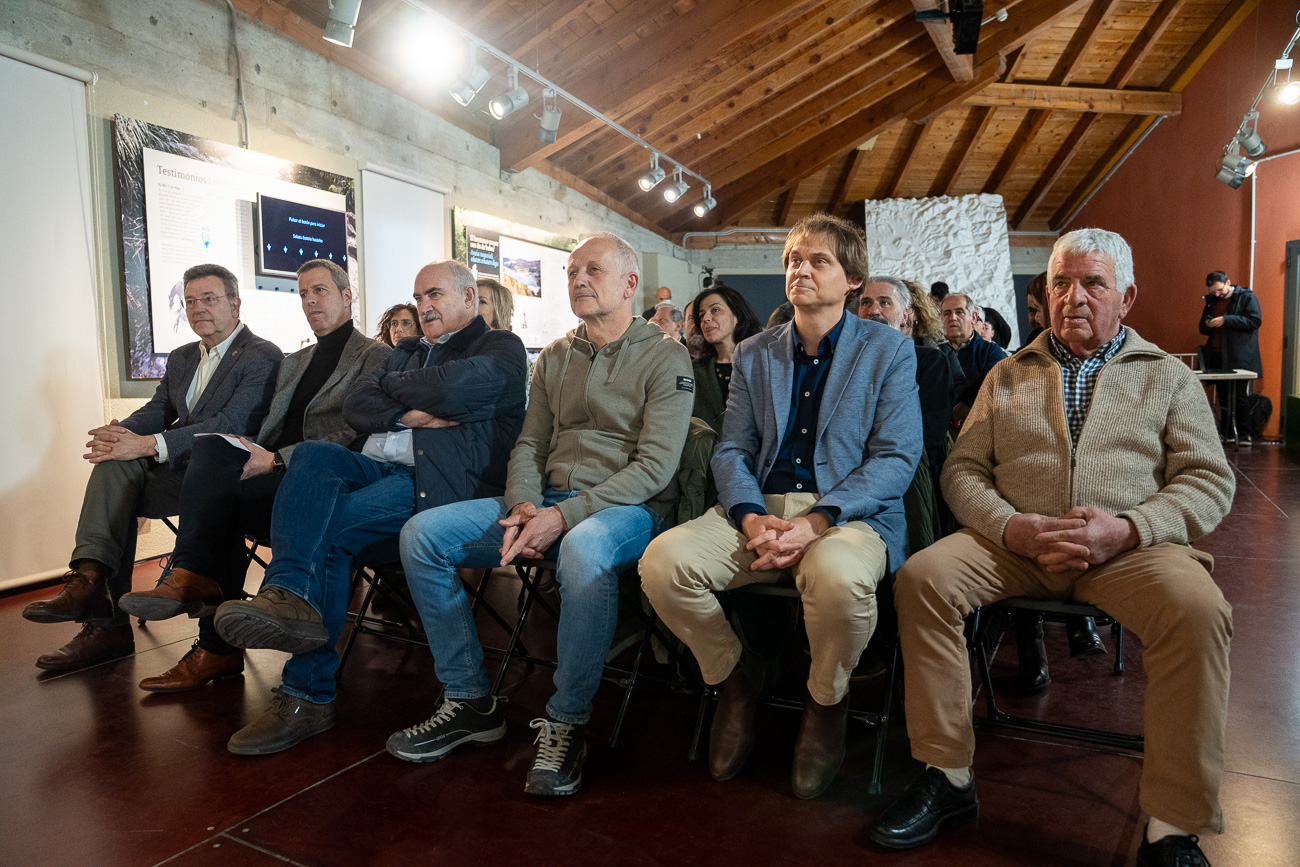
(610, 423)
(1148, 450)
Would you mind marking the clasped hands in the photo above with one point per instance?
(112, 442)
(781, 543)
(1085, 536)
(530, 532)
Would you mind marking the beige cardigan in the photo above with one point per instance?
(1148, 450)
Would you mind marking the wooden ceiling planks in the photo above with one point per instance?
(769, 99)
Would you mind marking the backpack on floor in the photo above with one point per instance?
(1261, 410)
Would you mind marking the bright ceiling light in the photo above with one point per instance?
(1288, 92)
(342, 25)
(678, 189)
(512, 100)
(651, 179)
(468, 86)
(434, 55)
(706, 204)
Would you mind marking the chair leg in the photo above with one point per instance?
(513, 645)
(693, 754)
(1118, 629)
(882, 733)
(628, 687)
(358, 625)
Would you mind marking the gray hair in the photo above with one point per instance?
(1104, 243)
(198, 272)
(966, 301)
(462, 275)
(337, 274)
(677, 314)
(900, 289)
(624, 253)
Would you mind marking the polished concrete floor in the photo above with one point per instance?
(97, 772)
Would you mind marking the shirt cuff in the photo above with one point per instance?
(740, 510)
(161, 457)
(832, 513)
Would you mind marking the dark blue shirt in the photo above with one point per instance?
(792, 469)
(977, 357)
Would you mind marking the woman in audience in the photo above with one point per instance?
(1036, 304)
(495, 303)
(398, 321)
(724, 318)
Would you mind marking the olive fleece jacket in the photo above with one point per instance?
(609, 423)
(1148, 450)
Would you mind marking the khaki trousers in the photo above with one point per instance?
(1164, 594)
(836, 578)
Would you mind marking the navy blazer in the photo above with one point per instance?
(234, 401)
(869, 436)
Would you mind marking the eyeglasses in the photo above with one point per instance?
(206, 300)
(401, 323)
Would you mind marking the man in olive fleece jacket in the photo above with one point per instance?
(589, 485)
(1087, 466)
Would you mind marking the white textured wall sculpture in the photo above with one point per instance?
(961, 240)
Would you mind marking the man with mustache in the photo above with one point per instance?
(440, 423)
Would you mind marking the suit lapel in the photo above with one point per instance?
(780, 376)
(847, 349)
(223, 370)
(351, 352)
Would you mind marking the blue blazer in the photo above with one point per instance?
(869, 435)
(234, 401)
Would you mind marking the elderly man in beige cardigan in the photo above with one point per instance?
(1087, 466)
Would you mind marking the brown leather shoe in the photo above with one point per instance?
(94, 643)
(275, 619)
(287, 721)
(195, 669)
(731, 736)
(819, 751)
(82, 598)
(179, 592)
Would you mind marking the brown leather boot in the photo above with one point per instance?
(731, 736)
(94, 643)
(819, 751)
(195, 669)
(179, 592)
(83, 597)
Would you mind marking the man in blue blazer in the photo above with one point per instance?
(820, 440)
(221, 384)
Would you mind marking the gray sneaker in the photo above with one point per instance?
(455, 723)
(274, 619)
(557, 767)
(287, 720)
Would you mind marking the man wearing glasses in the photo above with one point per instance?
(220, 384)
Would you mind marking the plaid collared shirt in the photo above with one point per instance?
(1079, 378)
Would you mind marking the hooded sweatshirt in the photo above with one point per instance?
(609, 423)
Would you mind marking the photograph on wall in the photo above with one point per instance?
(186, 200)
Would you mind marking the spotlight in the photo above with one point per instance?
(466, 88)
(651, 179)
(343, 22)
(706, 204)
(550, 119)
(1235, 168)
(512, 100)
(1288, 93)
(678, 189)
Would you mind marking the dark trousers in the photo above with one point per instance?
(217, 510)
(117, 493)
(1234, 415)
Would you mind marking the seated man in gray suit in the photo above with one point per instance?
(220, 384)
(229, 486)
(820, 441)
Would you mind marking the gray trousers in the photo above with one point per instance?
(119, 492)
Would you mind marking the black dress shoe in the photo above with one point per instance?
(1173, 851)
(1034, 676)
(926, 805)
(1083, 637)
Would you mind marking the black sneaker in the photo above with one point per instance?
(1171, 851)
(1244, 441)
(557, 768)
(455, 723)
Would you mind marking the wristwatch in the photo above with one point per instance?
(277, 465)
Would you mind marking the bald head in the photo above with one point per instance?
(446, 297)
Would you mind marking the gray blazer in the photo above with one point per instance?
(868, 431)
(323, 419)
(234, 400)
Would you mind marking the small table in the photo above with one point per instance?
(1232, 378)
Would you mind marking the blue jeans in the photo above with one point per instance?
(332, 503)
(589, 558)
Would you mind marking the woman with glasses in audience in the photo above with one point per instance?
(398, 321)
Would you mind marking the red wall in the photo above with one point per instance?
(1183, 224)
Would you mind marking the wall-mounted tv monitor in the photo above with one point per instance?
(290, 233)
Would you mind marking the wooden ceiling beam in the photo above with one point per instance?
(1067, 65)
(1028, 19)
(374, 13)
(933, 94)
(960, 153)
(915, 139)
(961, 66)
(787, 202)
(1233, 14)
(1101, 100)
(1144, 42)
(1060, 160)
(1024, 136)
(625, 80)
(848, 174)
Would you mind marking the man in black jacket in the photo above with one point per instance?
(441, 422)
(1230, 322)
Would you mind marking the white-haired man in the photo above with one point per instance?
(1106, 467)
